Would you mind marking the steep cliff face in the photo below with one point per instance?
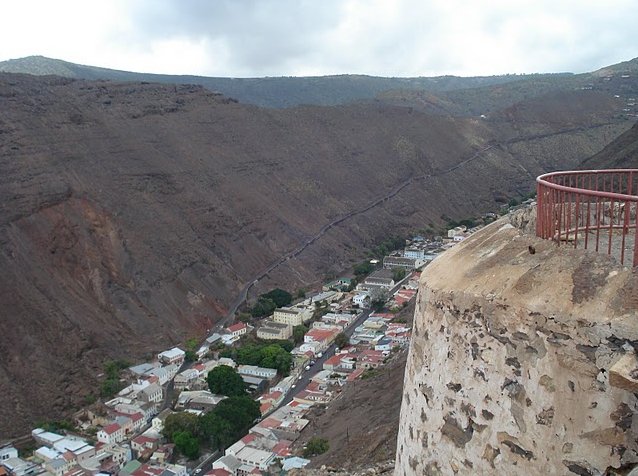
(521, 363)
(131, 215)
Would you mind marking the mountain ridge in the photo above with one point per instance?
(271, 91)
(131, 214)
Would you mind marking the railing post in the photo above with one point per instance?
(561, 211)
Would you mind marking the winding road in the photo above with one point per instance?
(324, 229)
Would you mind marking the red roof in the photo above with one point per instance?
(270, 423)
(68, 456)
(355, 374)
(282, 448)
(142, 440)
(237, 327)
(248, 438)
(148, 470)
(335, 360)
(218, 472)
(321, 334)
(112, 428)
(264, 407)
(136, 416)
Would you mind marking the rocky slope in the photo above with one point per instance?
(131, 214)
(622, 153)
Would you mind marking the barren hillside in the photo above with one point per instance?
(131, 214)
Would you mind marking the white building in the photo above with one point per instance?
(158, 422)
(173, 356)
(414, 253)
(112, 433)
(7, 452)
(151, 393)
(361, 299)
(164, 374)
(255, 371)
(255, 457)
(186, 378)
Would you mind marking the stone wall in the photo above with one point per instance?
(522, 362)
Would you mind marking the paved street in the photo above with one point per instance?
(307, 375)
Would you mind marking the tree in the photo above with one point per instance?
(342, 340)
(300, 294)
(263, 307)
(298, 333)
(182, 422)
(244, 317)
(278, 296)
(187, 444)
(190, 356)
(378, 298)
(363, 269)
(224, 380)
(274, 357)
(230, 420)
(316, 446)
(398, 274)
(215, 430)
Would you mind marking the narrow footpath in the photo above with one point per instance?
(375, 203)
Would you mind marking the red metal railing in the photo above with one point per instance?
(591, 209)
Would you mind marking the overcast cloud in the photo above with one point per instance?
(244, 38)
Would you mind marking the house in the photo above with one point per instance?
(370, 359)
(327, 296)
(198, 400)
(255, 384)
(321, 337)
(415, 253)
(391, 262)
(339, 319)
(333, 363)
(361, 299)
(218, 472)
(290, 316)
(341, 284)
(237, 330)
(112, 433)
(7, 452)
(384, 344)
(163, 454)
(45, 438)
(144, 446)
(158, 422)
(294, 462)
(174, 356)
(184, 379)
(255, 457)
(163, 374)
(18, 467)
(151, 393)
(274, 331)
(141, 369)
(382, 278)
(255, 371)
(229, 463)
(213, 338)
(227, 361)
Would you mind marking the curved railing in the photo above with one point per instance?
(591, 209)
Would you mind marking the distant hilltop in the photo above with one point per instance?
(280, 92)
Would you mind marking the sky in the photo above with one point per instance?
(255, 38)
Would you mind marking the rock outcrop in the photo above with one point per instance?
(521, 363)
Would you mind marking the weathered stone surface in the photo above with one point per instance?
(542, 349)
(623, 373)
